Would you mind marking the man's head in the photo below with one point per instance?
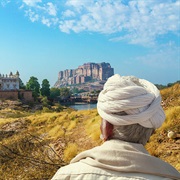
(130, 103)
(134, 133)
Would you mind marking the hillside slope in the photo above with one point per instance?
(35, 145)
(168, 149)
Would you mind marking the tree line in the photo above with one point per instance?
(44, 90)
(160, 86)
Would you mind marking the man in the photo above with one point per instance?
(131, 110)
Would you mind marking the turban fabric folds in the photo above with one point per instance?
(127, 100)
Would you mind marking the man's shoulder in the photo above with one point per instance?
(80, 170)
(77, 168)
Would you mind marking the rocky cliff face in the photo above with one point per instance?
(85, 73)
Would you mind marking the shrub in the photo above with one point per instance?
(45, 109)
(93, 128)
(71, 125)
(70, 151)
(172, 118)
(56, 131)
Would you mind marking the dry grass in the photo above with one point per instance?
(160, 145)
(35, 146)
(56, 131)
(70, 152)
(93, 128)
(172, 119)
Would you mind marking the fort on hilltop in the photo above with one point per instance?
(88, 72)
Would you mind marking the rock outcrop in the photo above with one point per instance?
(88, 72)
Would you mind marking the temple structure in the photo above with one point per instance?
(10, 90)
(9, 82)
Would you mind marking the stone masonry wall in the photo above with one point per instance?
(16, 94)
(12, 95)
(26, 96)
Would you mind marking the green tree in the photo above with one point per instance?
(65, 92)
(34, 86)
(75, 90)
(54, 92)
(45, 102)
(45, 88)
(21, 84)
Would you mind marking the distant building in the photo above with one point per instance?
(9, 82)
(9, 88)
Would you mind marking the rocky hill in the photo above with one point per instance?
(88, 72)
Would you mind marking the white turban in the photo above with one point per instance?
(138, 99)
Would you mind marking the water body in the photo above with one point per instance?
(83, 106)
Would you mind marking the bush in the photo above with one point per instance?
(93, 128)
(70, 152)
(45, 109)
(56, 131)
(172, 118)
(72, 125)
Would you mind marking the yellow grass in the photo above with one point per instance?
(56, 131)
(93, 128)
(72, 125)
(70, 152)
(172, 117)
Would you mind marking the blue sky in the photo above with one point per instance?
(137, 37)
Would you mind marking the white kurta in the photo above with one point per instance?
(117, 160)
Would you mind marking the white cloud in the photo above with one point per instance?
(32, 2)
(41, 7)
(37, 10)
(68, 13)
(66, 26)
(78, 4)
(32, 15)
(134, 21)
(141, 21)
(5, 2)
(51, 9)
(46, 21)
(55, 20)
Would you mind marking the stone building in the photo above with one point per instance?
(9, 88)
(9, 82)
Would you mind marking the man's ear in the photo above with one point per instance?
(106, 129)
(153, 132)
